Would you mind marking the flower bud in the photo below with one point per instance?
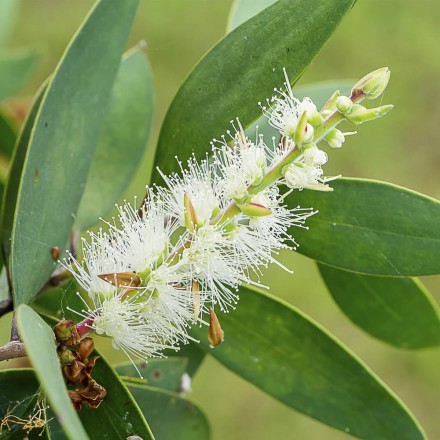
(304, 131)
(314, 156)
(361, 114)
(335, 138)
(215, 333)
(189, 213)
(296, 176)
(330, 105)
(372, 85)
(66, 356)
(344, 104)
(64, 330)
(254, 210)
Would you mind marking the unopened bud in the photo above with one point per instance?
(64, 330)
(189, 213)
(254, 210)
(66, 356)
(122, 279)
(372, 85)
(344, 104)
(304, 131)
(215, 333)
(361, 114)
(335, 138)
(330, 105)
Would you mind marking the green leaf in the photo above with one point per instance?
(292, 358)
(171, 415)
(160, 373)
(192, 353)
(242, 10)
(371, 227)
(19, 398)
(62, 144)
(40, 346)
(15, 69)
(59, 302)
(123, 138)
(242, 69)
(15, 170)
(400, 311)
(8, 14)
(118, 416)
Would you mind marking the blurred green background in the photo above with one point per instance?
(401, 148)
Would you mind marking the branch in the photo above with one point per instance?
(12, 350)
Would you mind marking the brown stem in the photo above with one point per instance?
(12, 350)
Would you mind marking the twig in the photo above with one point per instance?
(12, 350)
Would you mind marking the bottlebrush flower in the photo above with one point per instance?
(212, 227)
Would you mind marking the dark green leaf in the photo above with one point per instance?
(242, 69)
(62, 144)
(41, 350)
(371, 227)
(20, 399)
(400, 311)
(171, 415)
(15, 69)
(118, 416)
(293, 359)
(192, 353)
(122, 141)
(60, 301)
(160, 373)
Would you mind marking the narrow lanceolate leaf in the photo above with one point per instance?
(371, 227)
(242, 10)
(21, 399)
(15, 69)
(40, 346)
(171, 415)
(399, 311)
(160, 373)
(292, 358)
(62, 144)
(15, 169)
(242, 69)
(123, 138)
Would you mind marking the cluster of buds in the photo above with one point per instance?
(157, 270)
(73, 351)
